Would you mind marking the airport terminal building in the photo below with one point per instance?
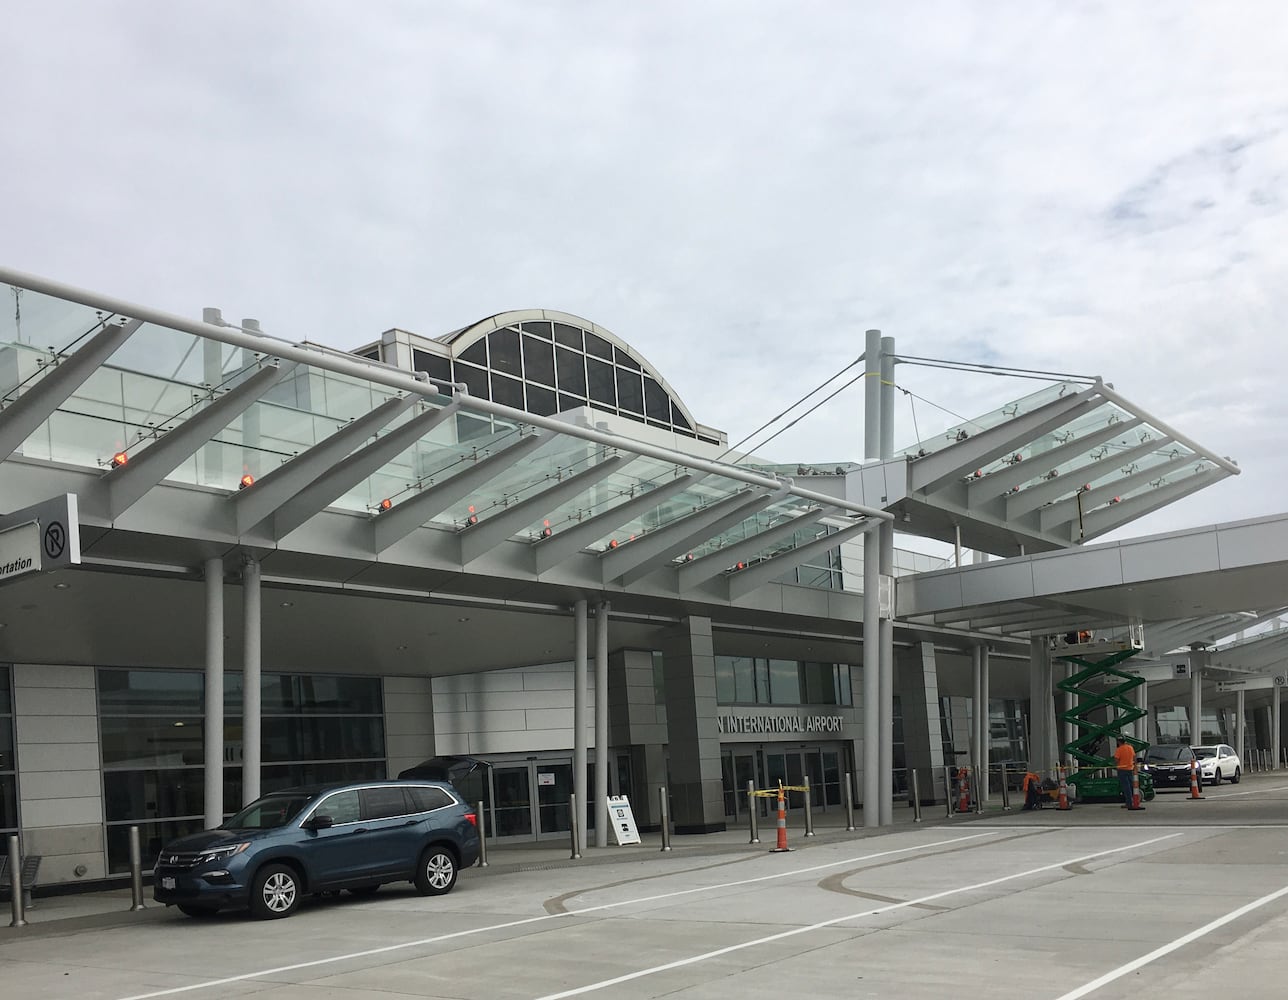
(231, 563)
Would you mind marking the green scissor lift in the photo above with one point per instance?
(1100, 688)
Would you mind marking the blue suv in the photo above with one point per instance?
(320, 839)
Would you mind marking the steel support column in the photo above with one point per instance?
(872, 597)
(985, 732)
(1197, 660)
(214, 709)
(601, 724)
(579, 717)
(251, 653)
(887, 574)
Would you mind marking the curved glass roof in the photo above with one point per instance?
(547, 362)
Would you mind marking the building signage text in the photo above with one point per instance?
(780, 723)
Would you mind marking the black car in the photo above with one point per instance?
(322, 838)
(1170, 766)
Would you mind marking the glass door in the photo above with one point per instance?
(554, 797)
(512, 813)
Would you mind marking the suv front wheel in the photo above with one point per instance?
(275, 892)
(436, 871)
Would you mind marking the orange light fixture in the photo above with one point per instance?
(119, 459)
(246, 480)
(386, 503)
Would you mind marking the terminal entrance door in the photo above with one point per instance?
(769, 766)
(530, 799)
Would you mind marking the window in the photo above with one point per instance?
(630, 391)
(475, 354)
(744, 680)
(569, 336)
(432, 365)
(425, 798)
(603, 384)
(599, 347)
(8, 761)
(538, 361)
(508, 391)
(475, 379)
(317, 728)
(571, 369)
(342, 807)
(540, 328)
(503, 349)
(784, 682)
(382, 803)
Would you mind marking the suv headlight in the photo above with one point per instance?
(223, 853)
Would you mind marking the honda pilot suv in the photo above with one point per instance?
(320, 839)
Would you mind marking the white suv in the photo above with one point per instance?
(1219, 761)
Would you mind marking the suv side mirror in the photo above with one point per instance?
(318, 822)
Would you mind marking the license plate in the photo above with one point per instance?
(167, 883)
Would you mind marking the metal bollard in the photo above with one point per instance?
(136, 871)
(916, 795)
(664, 811)
(849, 804)
(1006, 791)
(751, 812)
(480, 816)
(948, 788)
(975, 792)
(809, 810)
(15, 884)
(572, 826)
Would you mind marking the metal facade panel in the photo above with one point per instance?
(1000, 581)
(1077, 569)
(1250, 543)
(926, 594)
(1159, 558)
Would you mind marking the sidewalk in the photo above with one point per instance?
(70, 912)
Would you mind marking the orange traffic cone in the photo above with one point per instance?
(1194, 779)
(1063, 802)
(1135, 790)
(963, 787)
(782, 822)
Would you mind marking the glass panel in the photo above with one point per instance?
(507, 391)
(569, 336)
(795, 776)
(726, 688)
(572, 371)
(432, 365)
(602, 383)
(553, 799)
(6, 744)
(322, 694)
(569, 402)
(538, 361)
(141, 795)
(539, 327)
(744, 765)
(785, 682)
(342, 807)
(677, 416)
(44, 322)
(475, 379)
(384, 803)
(598, 346)
(831, 778)
(503, 349)
(476, 353)
(513, 813)
(541, 401)
(657, 404)
(844, 695)
(6, 705)
(8, 803)
(625, 360)
(152, 837)
(728, 784)
(150, 692)
(630, 391)
(762, 681)
(322, 737)
(142, 741)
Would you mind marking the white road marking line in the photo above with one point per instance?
(1254, 791)
(1167, 949)
(694, 959)
(543, 917)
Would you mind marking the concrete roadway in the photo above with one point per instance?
(1186, 900)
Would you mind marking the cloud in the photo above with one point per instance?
(740, 192)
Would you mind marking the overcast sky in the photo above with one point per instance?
(738, 190)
